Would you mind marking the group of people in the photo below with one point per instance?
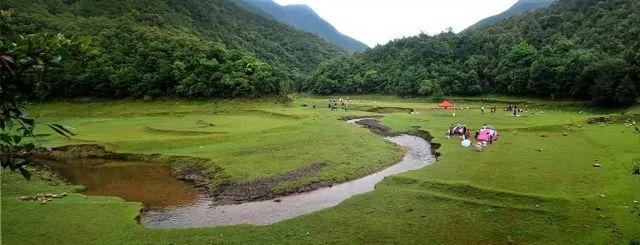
(483, 136)
(334, 104)
(494, 109)
(514, 109)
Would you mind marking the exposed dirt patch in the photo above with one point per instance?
(387, 110)
(152, 184)
(188, 169)
(262, 189)
(598, 120)
(376, 127)
(180, 132)
(273, 114)
(193, 175)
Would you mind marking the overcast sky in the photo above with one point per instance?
(379, 21)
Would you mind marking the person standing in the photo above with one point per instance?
(482, 109)
(464, 132)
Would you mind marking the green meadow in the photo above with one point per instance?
(535, 185)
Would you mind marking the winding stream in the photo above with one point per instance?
(201, 214)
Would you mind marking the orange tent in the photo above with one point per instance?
(446, 105)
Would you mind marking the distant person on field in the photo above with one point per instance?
(482, 109)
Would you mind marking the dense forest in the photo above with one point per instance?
(190, 48)
(573, 49)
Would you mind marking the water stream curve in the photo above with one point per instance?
(201, 214)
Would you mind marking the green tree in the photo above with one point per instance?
(23, 65)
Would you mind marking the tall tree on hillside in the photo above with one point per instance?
(24, 63)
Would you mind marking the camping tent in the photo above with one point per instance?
(488, 133)
(446, 105)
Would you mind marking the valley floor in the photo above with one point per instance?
(534, 185)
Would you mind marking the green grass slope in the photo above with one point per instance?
(510, 193)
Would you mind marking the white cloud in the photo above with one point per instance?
(379, 21)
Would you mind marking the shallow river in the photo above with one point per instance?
(201, 214)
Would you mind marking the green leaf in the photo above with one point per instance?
(28, 121)
(25, 173)
(64, 129)
(6, 138)
(29, 147)
(56, 59)
(19, 162)
(60, 132)
(16, 139)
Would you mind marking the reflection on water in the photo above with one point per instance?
(150, 184)
(268, 212)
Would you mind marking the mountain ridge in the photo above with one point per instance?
(304, 18)
(520, 7)
(190, 48)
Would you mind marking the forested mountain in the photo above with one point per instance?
(169, 47)
(302, 17)
(518, 8)
(574, 49)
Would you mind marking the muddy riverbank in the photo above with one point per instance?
(190, 192)
(418, 154)
(203, 214)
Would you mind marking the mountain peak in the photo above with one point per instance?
(520, 7)
(303, 17)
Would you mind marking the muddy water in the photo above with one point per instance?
(202, 214)
(150, 184)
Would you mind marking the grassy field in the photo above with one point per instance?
(532, 186)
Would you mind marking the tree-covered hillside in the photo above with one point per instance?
(302, 17)
(168, 47)
(574, 49)
(520, 7)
